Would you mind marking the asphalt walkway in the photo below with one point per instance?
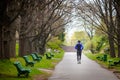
(68, 69)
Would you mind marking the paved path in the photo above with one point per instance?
(69, 48)
(68, 69)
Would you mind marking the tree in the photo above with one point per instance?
(51, 23)
(117, 8)
(102, 12)
(37, 20)
(9, 12)
(27, 22)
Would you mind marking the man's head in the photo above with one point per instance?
(78, 41)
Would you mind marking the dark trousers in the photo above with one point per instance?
(79, 55)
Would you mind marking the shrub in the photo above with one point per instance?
(54, 44)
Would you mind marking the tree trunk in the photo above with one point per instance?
(118, 35)
(1, 42)
(24, 46)
(117, 7)
(92, 49)
(112, 48)
(7, 37)
(12, 41)
(42, 49)
(119, 47)
(39, 47)
(22, 50)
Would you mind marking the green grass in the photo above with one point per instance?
(102, 63)
(17, 48)
(91, 56)
(94, 57)
(8, 70)
(50, 64)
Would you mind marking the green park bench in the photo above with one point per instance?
(113, 63)
(102, 58)
(35, 58)
(21, 70)
(48, 56)
(117, 62)
(110, 63)
(38, 56)
(51, 54)
(28, 62)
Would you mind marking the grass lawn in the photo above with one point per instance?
(8, 70)
(102, 63)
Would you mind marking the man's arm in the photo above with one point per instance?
(76, 46)
(82, 46)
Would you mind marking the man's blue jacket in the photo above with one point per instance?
(80, 48)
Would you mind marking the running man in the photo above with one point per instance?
(79, 48)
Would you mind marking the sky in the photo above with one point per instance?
(70, 28)
(76, 24)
